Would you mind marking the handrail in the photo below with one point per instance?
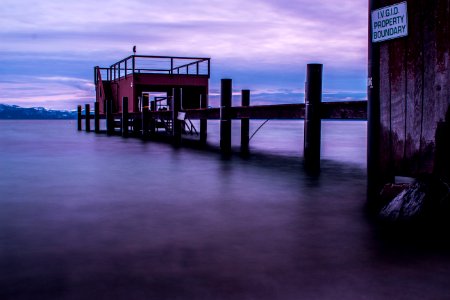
(192, 127)
(166, 67)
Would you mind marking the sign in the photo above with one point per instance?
(181, 116)
(389, 22)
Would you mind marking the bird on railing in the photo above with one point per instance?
(134, 50)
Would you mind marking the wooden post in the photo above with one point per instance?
(203, 122)
(312, 125)
(125, 116)
(225, 121)
(176, 124)
(152, 105)
(144, 116)
(97, 117)
(373, 115)
(245, 122)
(87, 112)
(109, 117)
(152, 121)
(79, 118)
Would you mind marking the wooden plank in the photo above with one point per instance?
(209, 113)
(442, 85)
(281, 111)
(429, 91)
(442, 88)
(344, 110)
(414, 88)
(397, 73)
(356, 110)
(385, 114)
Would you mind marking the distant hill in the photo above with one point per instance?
(34, 113)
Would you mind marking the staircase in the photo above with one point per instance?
(166, 124)
(188, 127)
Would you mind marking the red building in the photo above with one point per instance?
(153, 78)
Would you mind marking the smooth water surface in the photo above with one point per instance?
(86, 216)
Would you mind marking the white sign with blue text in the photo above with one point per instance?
(390, 22)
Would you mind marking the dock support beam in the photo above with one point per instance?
(109, 117)
(245, 122)
(175, 122)
(79, 117)
(312, 125)
(97, 117)
(125, 116)
(144, 116)
(87, 112)
(225, 120)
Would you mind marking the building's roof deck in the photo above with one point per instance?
(146, 64)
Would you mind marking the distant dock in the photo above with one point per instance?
(151, 96)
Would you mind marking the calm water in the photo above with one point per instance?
(85, 216)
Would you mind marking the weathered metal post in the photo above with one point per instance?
(245, 122)
(87, 112)
(125, 116)
(312, 125)
(176, 123)
(109, 117)
(97, 117)
(225, 120)
(79, 118)
(144, 116)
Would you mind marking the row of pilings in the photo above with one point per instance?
(312, 118)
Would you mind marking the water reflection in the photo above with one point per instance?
(86, 216)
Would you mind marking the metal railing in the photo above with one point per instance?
(147, 64)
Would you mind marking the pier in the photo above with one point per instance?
(407, 108)
(153, 97)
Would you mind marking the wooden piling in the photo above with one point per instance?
(79, 118)
(109, 117)
(97, 117)
(225, 120)
(152, 121)
(245, 122)
(312, 124)
(176, 123)
(125, 116)
(144, 116)
(373, 115)
(87, 112)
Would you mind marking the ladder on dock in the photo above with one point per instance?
(166, 124)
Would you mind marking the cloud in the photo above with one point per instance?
(257, 42)
(50, 92)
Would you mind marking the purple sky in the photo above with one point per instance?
(48, 48)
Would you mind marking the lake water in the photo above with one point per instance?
(86, 216)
